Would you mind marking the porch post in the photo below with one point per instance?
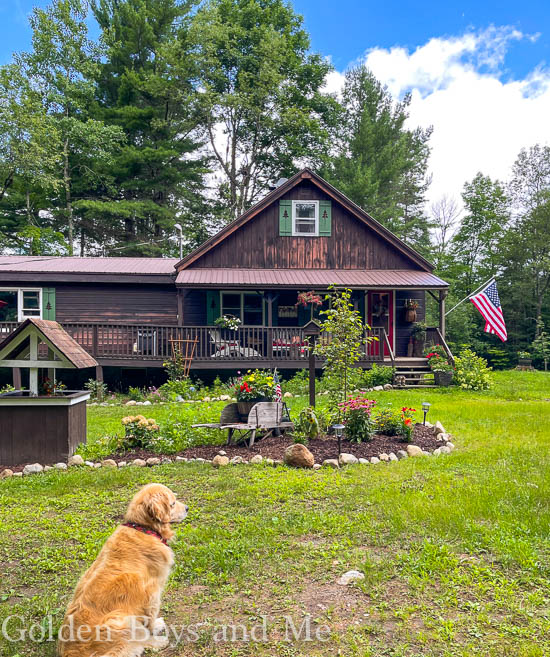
(16, 373)
(442, 297)
(180, 306)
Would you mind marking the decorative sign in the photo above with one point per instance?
(288, 311)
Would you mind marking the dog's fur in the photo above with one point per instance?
(120, 593)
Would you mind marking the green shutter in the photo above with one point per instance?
(325, 218)
(285, 218)
(212, 306)
(48, 303)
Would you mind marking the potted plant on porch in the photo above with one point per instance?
(228, 325)
(255, 386)
(418, 335)
(410, 310)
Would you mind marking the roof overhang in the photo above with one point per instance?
(309, 278)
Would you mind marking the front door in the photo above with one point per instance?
(380, 315)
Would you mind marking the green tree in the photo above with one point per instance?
(261, 94)
(146, 87)
(347, 334)
(62, 66)
(541, 345)
(377, 161)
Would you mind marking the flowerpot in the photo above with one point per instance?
(410, 315)
(228, 334)
(443, 378)
(419, 345)
(525, 362)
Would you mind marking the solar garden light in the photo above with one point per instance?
(338, 430)
(425, 408)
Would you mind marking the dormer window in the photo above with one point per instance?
(305, 218)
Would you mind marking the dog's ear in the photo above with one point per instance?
(158, 507)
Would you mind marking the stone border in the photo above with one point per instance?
(221, 459)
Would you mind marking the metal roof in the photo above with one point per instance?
(311, 278)
(76, 265)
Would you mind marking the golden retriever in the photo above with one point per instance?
(115, 607)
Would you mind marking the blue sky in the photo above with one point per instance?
(478, 71)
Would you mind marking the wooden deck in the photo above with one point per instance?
(146, 345)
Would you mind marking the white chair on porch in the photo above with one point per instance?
(230, 348)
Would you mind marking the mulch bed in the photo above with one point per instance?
(273, 447)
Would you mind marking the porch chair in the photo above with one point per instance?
(230, 348)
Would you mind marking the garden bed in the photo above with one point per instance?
(322, 448)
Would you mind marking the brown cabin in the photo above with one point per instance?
(303, 236)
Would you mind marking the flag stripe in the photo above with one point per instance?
(496, 315)
(488, 304)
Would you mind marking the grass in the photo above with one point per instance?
(454, 549)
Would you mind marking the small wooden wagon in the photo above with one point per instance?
(263, 417)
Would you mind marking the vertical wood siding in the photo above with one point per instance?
(403, 329)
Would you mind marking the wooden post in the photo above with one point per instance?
(442, 297)
(269, 299)
(16, 373)
(312, 341)
(33, 371)
(95, 340)
(180, 307)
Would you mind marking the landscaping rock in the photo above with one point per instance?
(76, 460)
(384, 457)
(17, 474)
(222, 452)
(317, 466)
(181, 459)
(331, 463)
(388, 386)
(90, 464)
(132, 402)
(219, 461)
(438, 428)
(225, 398)
(444, 437)
(153, 460)
(349, 577)
(450, 446)
(414, 450)
(199, 460)
(60, 466)
(393, 457)
(347, 459)
(402, 454)
(426, 453)
(257, 458)
(374, 460)
(378, 388)
(6, 473)
(122, 464)
(97, 465)
(364, 461)
(47, 468)
(437, 452)
(288, 395)
(165, 460)
(140, 463)
(35, 468)
(278, 462)
(147, 403)
(109, 463)
(445, 449)
(236, 460)
(298, 456)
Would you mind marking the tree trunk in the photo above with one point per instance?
(68, 203)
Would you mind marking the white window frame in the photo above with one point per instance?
(295, 233)
(21, 317)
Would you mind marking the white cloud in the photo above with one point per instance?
(481, 120)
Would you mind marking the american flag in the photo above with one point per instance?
(488, 304)
(278, 391)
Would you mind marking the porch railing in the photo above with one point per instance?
(109, 341)
(434, 337)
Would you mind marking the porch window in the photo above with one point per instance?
(247, 306)
(18, 304)
(305, 218)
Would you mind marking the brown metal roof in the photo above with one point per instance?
(310, 278)
(75, 265)
(59, 338)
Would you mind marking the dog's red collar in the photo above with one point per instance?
(144, 530)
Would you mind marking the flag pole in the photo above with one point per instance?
(483, 285)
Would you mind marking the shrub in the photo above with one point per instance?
(377, 376)
(98, 390)
(471, 371)
(137, 394)
(139, 432)
(396, 423)
(183, 388)
(6, 388)
(298, 384)
(306, 426)
(356, 413)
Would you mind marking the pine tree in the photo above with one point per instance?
(379, 163)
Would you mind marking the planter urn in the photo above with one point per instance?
(443, 378)
(410, 315)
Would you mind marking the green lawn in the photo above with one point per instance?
(455, 549)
